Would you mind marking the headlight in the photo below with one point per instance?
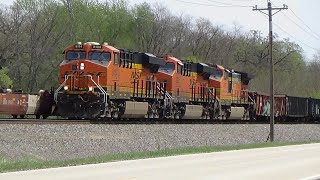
(81, 66)
(90, 88)
(78, 45)
(65, 88)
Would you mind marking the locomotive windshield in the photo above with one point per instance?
(74, 55)
(167, 68)
(217, 74)
(101, 56)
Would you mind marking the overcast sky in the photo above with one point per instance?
(287, 24)
(288, 20)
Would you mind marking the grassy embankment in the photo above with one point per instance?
(28, 163)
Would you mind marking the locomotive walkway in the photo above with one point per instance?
(286, 162)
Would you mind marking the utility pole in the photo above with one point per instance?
(270, 14)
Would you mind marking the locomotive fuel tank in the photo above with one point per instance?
(193, 112)
(135, 109)
(236, 113)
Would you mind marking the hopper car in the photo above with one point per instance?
(19, 105)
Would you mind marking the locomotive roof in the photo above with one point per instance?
(176, 60)
(220, 67)
(112, 48)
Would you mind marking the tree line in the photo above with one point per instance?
(33, 34)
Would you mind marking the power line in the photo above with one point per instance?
(201, 4)
(304, 23)
(314, 34)
(228, 4)
(301, 27)
(295, 37)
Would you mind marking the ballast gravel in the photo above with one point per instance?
(56, 141)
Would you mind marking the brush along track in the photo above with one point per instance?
(139, 121)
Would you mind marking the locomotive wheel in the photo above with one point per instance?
(21, 116)
(115, 115)
(14, 116)
(37, 116)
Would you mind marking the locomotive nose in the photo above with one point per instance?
(84, 75)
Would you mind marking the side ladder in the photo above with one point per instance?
(167, 100)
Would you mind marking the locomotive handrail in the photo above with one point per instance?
(168, 99)
(210, 90)
(253, 100)
(65, 81)
(100, 88)
(60, 87)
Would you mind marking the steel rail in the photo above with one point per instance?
(140, 121)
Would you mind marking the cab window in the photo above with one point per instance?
(179, 69)
(167, 68)
(101, 56)
(217, 74)
(74, 55)
(116, 58)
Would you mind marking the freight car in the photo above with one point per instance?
(313, 109)
(100, 81)
(261, 111)
(286, 108)
(22, 104)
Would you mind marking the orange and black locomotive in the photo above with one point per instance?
(101, 81)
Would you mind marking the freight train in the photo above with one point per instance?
(101, 81)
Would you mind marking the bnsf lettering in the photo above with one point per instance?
(192, 82)
(76, 73)
(135, 75)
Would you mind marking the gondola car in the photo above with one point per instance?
(313, 109)
(297, 108)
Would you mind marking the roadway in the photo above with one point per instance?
(289, 162)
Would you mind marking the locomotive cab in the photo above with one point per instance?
(178, 79)
(187, 84)
(83, 78)
(85, 65)
(231, 93)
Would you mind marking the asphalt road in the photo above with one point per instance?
(290, 162)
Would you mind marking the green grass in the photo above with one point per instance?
(28, 163)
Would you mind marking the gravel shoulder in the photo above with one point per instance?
(61, 142)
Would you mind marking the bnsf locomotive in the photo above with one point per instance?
(101, 81)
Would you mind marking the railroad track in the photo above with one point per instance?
(43, 121)
(136, 121)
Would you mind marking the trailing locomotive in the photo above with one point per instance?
(100, 81)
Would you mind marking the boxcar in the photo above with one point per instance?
(297, 107)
